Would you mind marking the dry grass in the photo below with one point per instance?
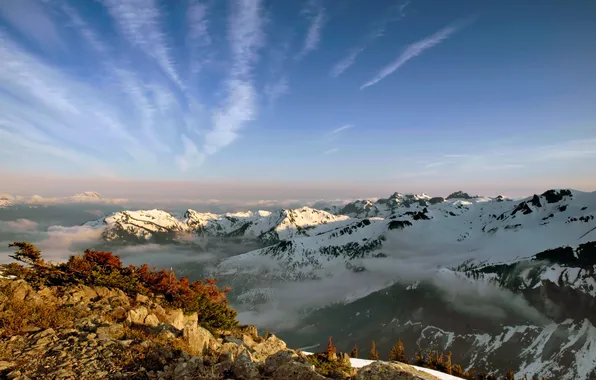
(19, 314)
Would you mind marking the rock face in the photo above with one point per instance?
(96, 333)
(392, 371)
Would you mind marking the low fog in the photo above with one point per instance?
(406, 264)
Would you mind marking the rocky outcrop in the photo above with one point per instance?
(391, 371)
(101, 333)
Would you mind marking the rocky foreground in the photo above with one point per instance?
(81, 332)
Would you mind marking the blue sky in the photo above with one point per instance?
(420, 95)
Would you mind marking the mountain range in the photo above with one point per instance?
(501, 283)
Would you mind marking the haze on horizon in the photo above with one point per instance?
(249, 100)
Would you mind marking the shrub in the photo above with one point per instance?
(100, 268)
(18, 314)
(329, 367)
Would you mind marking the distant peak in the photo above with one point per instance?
(460, 195)
(88, 195)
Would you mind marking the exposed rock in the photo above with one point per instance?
(137, 315)
(198, 339)
(19, 289)
(391, 371)
(281, 358)
(270, 346)
(176, 318)
(554, 196)
(141, 298)
(297, 371)
(459, 195)
(231, 350)
(244, 368)
(151, 320)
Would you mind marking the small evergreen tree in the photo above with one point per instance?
(397, 352)
(331, 350)
(374, 354)
(354, 353)
(27, 253)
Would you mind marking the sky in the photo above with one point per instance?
(290, 99)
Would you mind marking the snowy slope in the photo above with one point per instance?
(267, 226)
(480, 229)
(359, 363)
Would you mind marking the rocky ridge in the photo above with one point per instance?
(82, 332)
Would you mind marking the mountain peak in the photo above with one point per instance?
(460, 195)
(87, 195)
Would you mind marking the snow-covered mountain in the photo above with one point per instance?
(530, 262)
(265, 226)
(477, 228)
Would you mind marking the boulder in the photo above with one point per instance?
(142, 299)
(391, 371)
(231, 350)
(268, 347)
(198, 339)
(151, 320)
(297, 371)
(281, 358)
(19, 289)
(137, 315)
(175, 317)
(244, 368)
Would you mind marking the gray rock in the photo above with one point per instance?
(244, 368)
(297, 371)
(281, 358)
(270, 346)
(391, 371)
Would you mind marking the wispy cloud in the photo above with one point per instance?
(331, 151)
(346, 61)
(274, 90)
(37, 27)
(316, 13)
(198, 34)
(191, 155)
(511, 158)
(412, 51)
(391, 15)
(245, 37)
(139, 21)
(340, 129)
(115, 112)
(402, 8)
